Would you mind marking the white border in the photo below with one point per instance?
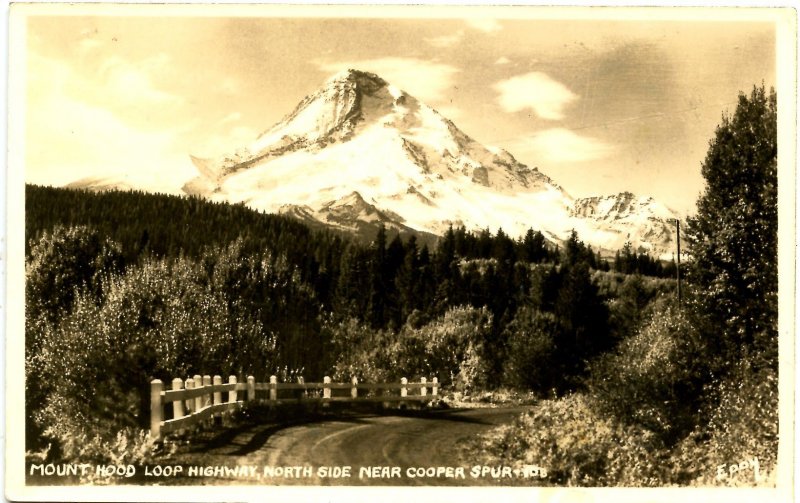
(786, 65)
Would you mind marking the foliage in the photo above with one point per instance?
(129, 446)
(631, 299)
(579, 446)
(64, 262)
(690, 388)
(582, 318)
(449, 348)
(157, 321)
(264, 290)
(733, 238)
(362, 352)
(167, 226)
(743, 425)
(655, 378)
(531, 348)
(629, 261)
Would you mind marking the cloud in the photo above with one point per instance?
(537, 91)
(86, 45)
(486, 25)
(563, 145)
(91, 141)
(446, 40)
(423, 79)
(129, 81)
(72, 134)
(502, 60)
(231, 117)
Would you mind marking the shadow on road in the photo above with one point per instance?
(253, 434)
(456, 415)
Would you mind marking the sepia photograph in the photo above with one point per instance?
(343, 253)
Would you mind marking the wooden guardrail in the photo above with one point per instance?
(201, 397)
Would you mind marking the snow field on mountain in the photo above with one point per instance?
(360, 137)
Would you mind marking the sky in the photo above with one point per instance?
(599, 105)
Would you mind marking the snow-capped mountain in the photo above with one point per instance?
(639, 219)
(359, 134)
(101, 184)
(360, 152)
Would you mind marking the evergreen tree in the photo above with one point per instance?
(407, 279)
(583, 319)
(533, 248)
(733, 239)
(573, 249)
(628, 259)
(378, 282)
(503, 249)
(425, 287)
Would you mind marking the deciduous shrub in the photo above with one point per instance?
(449, 348)
(742, 426)
(63, 264)
(578, 445)
(159, 320)
(531, 348)
(655, 378)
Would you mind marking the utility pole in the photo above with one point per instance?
(678, 269)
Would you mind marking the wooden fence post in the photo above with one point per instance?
(207, 394)
(232, 394)
(424, 389)
(435, 386)
(354, 389)
(217, 394)
(156, 413)
(189, 401)
(177, 405)
(217, 400)
(251, 388)
(403, 389)
(326, 390)
(273, 388)
(198, 400)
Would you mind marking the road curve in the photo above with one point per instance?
(403, 444)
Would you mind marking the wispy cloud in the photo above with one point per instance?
(133, 81)
(536, 90)
(427, 80)
(446, 40)
(78, 127)
(564, 145)
(231, 117)
(486, 25)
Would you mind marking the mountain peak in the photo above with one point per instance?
(354, 76)
(359, 152)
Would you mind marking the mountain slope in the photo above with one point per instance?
(642, 220)
(359, 153)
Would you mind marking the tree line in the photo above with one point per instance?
(128, 286)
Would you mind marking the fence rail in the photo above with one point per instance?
(201, 397)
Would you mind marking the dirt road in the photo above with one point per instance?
(378, 449)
